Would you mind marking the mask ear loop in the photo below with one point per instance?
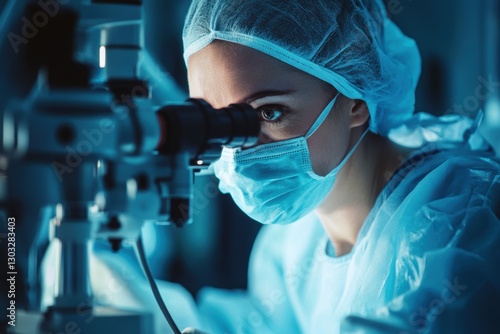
(321, 118)
(348, 155)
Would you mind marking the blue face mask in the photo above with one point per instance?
(274, 183)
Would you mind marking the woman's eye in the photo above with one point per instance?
(270, 113)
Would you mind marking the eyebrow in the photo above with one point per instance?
(265, 93)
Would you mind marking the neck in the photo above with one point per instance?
(358, 184)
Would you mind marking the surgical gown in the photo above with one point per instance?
(427, 260)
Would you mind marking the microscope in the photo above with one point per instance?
(87, 154)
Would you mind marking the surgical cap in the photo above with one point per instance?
(351, 44)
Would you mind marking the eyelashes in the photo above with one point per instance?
(273, 114)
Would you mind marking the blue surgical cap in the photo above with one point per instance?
(351, 44)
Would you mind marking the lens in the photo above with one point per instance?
(201, 130)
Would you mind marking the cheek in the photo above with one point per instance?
(272, 133)
(328, 145)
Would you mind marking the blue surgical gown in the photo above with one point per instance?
(427, 260)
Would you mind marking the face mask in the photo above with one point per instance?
(274, 183)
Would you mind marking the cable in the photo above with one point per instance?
(154, 287)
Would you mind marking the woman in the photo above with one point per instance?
(381, 237)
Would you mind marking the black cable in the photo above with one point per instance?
(154, 287)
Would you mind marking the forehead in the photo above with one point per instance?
(223, 73)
